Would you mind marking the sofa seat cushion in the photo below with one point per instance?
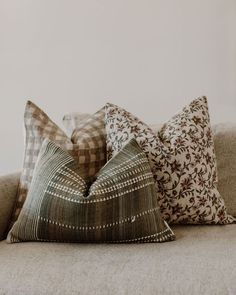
(201, 261)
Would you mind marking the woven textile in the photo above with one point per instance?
(91, 131)
(86, 149)
(120, 206)
(182, 158)
(73, 120)
(225, 146)
(8, 190)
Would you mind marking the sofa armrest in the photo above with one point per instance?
(8, 189)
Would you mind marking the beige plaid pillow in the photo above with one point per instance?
(73, 120)
(87, 146)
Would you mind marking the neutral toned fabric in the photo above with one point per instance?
(91, 132)
(182, 158)
(73, 120)
(225, 146)
(8, 191)
(120, 206)
(201, 261)
(38, 126)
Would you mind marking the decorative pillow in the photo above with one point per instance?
(92, 127)
(225, 146)
(224, 135)
(120, 206)
(86, 149)
(182, 159)
(73, 120)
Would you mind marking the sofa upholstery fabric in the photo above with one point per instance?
(201, 261)
(225, 146)
(8, 190)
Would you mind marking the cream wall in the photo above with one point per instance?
(150, 56)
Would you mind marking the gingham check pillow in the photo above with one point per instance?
(73, 120)
(87, 146)
(92, 126)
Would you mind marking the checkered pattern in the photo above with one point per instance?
(91, 130)
(88, 149)
(73, 120)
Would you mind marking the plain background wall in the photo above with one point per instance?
(151, 57)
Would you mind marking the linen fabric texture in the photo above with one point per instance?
(8, 190)
(119, 207)
(225, 146)
(73, 120)
(182, 159)
(86, 149)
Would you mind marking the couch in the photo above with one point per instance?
(202, 260)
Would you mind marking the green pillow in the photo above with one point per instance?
(120, 206)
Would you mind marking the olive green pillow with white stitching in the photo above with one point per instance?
(120, 206)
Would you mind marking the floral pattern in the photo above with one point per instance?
(182, 159)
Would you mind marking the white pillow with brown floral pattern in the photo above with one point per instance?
(182, 158)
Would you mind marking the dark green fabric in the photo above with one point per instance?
(120, 206)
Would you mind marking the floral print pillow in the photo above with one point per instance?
(182, 159)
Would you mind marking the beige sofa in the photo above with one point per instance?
(202, 260)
